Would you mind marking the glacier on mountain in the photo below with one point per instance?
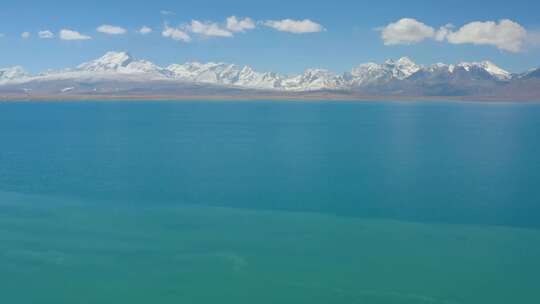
(121, 66)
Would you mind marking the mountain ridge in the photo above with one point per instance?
(117, 72)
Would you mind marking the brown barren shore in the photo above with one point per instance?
(306, 97)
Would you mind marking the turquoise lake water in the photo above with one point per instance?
(269, 202)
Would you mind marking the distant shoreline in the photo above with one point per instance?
(67, 98)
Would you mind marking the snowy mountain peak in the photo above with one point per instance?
(487, 66)
(118, 57)
(12, 73)
(121, 66)
(312, 80)
(212, 72)
(373, 73)
(111, 61)
(400, 61)
(404, 67)
(405, 61)
(495, 70)
(532, 73)
(121, 62)
(318, 73)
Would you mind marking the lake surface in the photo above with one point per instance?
(269, 202)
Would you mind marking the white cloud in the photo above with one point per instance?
(214, 29)
(406, 31)
(208, 29)
(443, 32)
(111, 29)
(175, 34)
(72, 35)
(295, 26)
(145, 30)
(235, 25)
(506, 34)
(46, 34)
(25, 35)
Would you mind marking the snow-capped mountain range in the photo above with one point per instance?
(401, 76)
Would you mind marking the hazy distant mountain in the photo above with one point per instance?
(224, 74)
(123, 63)
(535, 73)
(120, 73)
(13, 73)
(370, 74)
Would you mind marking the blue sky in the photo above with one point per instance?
(339, 34)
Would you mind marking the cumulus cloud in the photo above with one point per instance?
(111, 30)
(73, 35)
(443, 32)
(25, 35)
(406, 31)
(208, 29)
(46, 34)
(175, 34)
(235, 25)
(506, 34)
(214, 29)
(145, 30)
(295, 26)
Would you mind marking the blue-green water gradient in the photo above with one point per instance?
(269, 202)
